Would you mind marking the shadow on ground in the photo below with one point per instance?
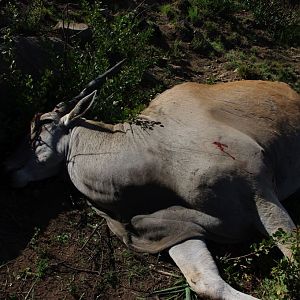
(23, 211)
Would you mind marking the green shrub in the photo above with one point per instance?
(193, 14)
(22, 95)
(176, 50)
(218, 46)
(250, 67)
(41, 267)
(120, 98)
(275, 279)
(168, 10)
(26, 19)
(284, 279)
(179, 289)
(212, 29)
(278, 17)
(269, 70)
(202, 45)
(213, 8)
(114, 40)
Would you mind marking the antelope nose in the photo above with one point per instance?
(7, 173)
(4, 174)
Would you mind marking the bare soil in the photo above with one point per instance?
(53, 246)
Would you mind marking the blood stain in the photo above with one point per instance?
(222, 147)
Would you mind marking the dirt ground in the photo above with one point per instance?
(53, 246)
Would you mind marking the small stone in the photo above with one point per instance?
(72, 26)
(73, 29)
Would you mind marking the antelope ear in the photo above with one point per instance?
(80, 109)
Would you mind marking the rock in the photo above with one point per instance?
(72, 26)
(157, 38)
(32, 54)
(73, 29)
(185, 32)
(183, 5)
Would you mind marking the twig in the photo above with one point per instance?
(30, 290)
(166, 273)
(91, 235)
(80, 269)
(139, 5)
(111, 249)
(4, 265)
(7, 263)
(101, 263)
(5, 284)
(240, 257)
(132, 288)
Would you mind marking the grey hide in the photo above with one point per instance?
(202, 162)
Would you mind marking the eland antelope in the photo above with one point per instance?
(201, 163)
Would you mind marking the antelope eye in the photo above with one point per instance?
(37, 125)
(45, 121)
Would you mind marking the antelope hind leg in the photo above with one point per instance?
(273, 216)
(197, 265)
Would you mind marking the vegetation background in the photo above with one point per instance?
(52, 246)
